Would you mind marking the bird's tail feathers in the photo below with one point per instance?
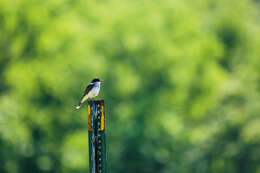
(83, 99)
(79, 105)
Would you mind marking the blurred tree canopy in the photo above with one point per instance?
(182, 84)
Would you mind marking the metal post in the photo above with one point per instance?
(96, 136)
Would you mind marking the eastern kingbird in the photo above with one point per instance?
(91, 91)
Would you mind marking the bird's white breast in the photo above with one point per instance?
(95, 90)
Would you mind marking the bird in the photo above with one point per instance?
(91, 91)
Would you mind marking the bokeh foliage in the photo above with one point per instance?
(182, 84)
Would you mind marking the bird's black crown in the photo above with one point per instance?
(96, 80)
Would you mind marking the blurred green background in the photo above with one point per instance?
(182, 84)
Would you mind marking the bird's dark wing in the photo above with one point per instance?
(88, 88)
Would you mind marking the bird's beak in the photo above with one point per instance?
(101, 81)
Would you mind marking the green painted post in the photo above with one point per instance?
(96, 136)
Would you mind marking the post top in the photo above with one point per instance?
(96, 101)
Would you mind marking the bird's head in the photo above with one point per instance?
(96, 80)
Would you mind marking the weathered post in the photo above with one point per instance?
(96, 136)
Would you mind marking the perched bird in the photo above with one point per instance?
(91, 91)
